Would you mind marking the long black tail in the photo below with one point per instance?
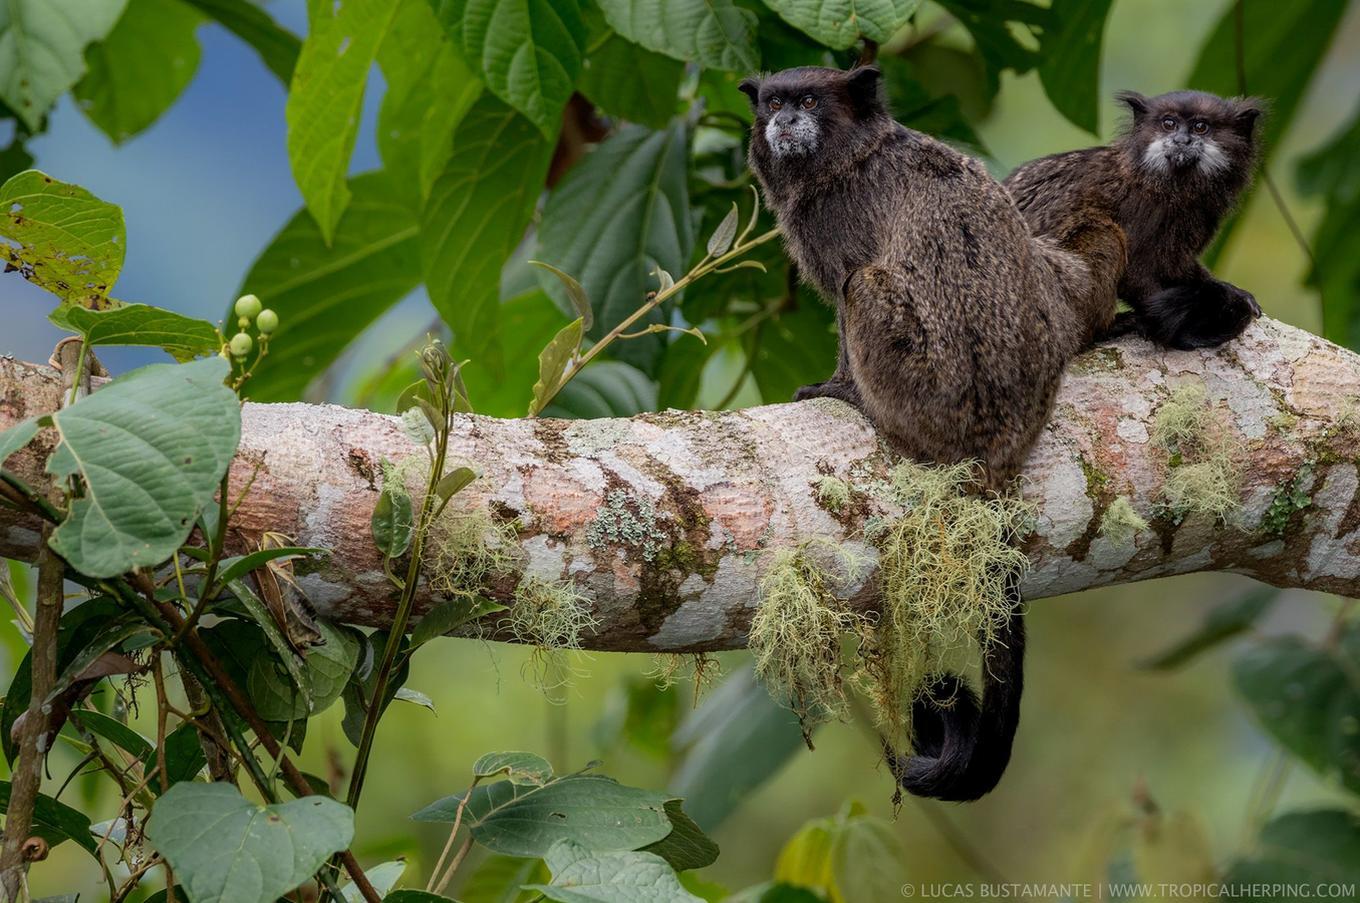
(962, 749)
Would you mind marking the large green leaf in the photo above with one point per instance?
(325, 98)
(853, 856)
(1300, 850)
(840, 23)
(993, 25)
(61, 237)
(529, 52)
(277, 47)
(632, 82)
(526, 819)
(687, 846)
(498, 879)
(796, 347)
(328, 669)
(42, 49)
(1308, 698)
(446, 617)
(477, 212)
(1332, 172)
(224, 847)
(1283, 44)
(151, 448)
(605, 389)
(617, 215)
(581, 875)
(55, 821)
(184, 338)
(1070, 66)
(16, 437)
(713, 33)
(138, 71)
(325, 296)
(429, 88)
(553, 361)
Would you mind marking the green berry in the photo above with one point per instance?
(248, 306)
(241, 344)
(267, 321)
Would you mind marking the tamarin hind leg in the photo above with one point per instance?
(1200, 314)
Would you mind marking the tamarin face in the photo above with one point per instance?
(801, 112)
(1192, 133)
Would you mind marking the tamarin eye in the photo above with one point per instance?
(776, 104)
(1169, 123)
(808, 102)
(1200, 127)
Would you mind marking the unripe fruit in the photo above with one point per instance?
(241, 343)
(248, 306)
(267, 321)
(243, 322)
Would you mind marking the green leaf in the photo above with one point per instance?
(1070, 53)
(17, 436)
(1308, 698)
(325, 97)
(619, 214)
(715, 34)
(429, 89)
(1299, 849)
(840, 23)
(446, 617)
(238, 566)
(328, 666)
(797, 347)
(632, 82)
(687, 846)
(42, 46)
(993, 26)
(184, 338)
(721, 240)
(415, 697)
(498, 879)
(55, 822)
(184, 758)
(529, 52)
(604, 389)
(393, 523)
(528, 322)
(1283, 45)
(1222, 623)
(224, 847)
(114, 731)
(525, 820)
(581, 875)
(290, 660)
(382, 877)
(415, 896)
(1332, 172)
(736, 740)
(552, 364)
(326, 296)
(63, 238)
(151, 448)
(853, 856)
(141, 68)
(277, 47)
(453, 482)
(476, 215)
(576, 295)
(106, 640)
(518, 767)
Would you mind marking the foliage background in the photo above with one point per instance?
(206, 187)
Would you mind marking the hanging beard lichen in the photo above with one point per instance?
(551, 616)
(467, 548)
(1203, 477)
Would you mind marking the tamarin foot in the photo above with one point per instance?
(835, 387)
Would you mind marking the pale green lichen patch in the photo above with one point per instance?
(1203, 476)
(833, 493)
(1121, 523)
(627, 520)
(1290, 496)
(467, 549)
(1102, 359)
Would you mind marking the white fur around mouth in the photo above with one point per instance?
(796, 139)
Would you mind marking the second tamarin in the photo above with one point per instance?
(1167, 181)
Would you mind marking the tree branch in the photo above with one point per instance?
(666, 521)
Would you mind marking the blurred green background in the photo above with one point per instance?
(209, 183)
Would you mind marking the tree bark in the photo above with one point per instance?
(667, 521)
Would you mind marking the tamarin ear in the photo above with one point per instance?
(862, 83)
(751, 88)
(1137, 103)
(1248, 111)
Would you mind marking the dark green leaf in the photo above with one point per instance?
(478, 210)
(1070, 59)
(393, 523)
(325, 98)
(993, 23)
(108, 639)
(633, 83)
(797, 347)
(518, 767)
(1333, 173)
(1308, 698)
(55, 822)
(552, 364)
(446, 617)
(277, 47)
(61, 237)
(238, 566)
(284, 654)
(151, 448)
(529, 52)
(416, 896)
(713, 33)
(1222, 623)
(184, 758)
(525, 820)
(44, 43)
(498, 880)
(687, 846)
(329, 667)
(140, 69)
(840, 23)
(224, 847)
(184, 338)
(114, 731)
(604, 389)
(619, 214)
(325, 296)
(581, 875)
(1300, 850)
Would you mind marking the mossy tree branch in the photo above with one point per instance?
(666, 522)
